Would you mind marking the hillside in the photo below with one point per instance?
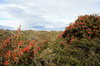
(78, 45)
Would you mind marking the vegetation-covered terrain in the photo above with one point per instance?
(78, 45)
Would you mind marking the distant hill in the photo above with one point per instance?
(5, 27)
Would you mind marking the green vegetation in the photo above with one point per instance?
(78, 45)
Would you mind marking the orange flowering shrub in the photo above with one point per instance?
(13, 50)
(87, 26)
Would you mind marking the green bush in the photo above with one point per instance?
(80, 53)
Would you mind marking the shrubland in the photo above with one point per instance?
(78, 45)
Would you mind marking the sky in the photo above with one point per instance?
(49, 15)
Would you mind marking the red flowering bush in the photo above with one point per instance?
(79, 44)
(15, 50)
(24, 47)
(87, 26)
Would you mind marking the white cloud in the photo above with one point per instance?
(45, 14)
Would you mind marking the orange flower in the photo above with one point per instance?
(15, 58)
(7, 40)
(15, 54)
(15, 49)
(22, 51)
(94, 29)
(89, 32)
(30, 42)
(8, 53)
(31, 45)
(20, 43)
(26, 49)
(20, 55)
(6, 62)
(88, 37)
(38, 48)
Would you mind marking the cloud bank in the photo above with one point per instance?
(44, 14)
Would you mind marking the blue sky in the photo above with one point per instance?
(44, 14)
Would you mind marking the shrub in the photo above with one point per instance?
(80, 53)
(87, 26)
(81, 43)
